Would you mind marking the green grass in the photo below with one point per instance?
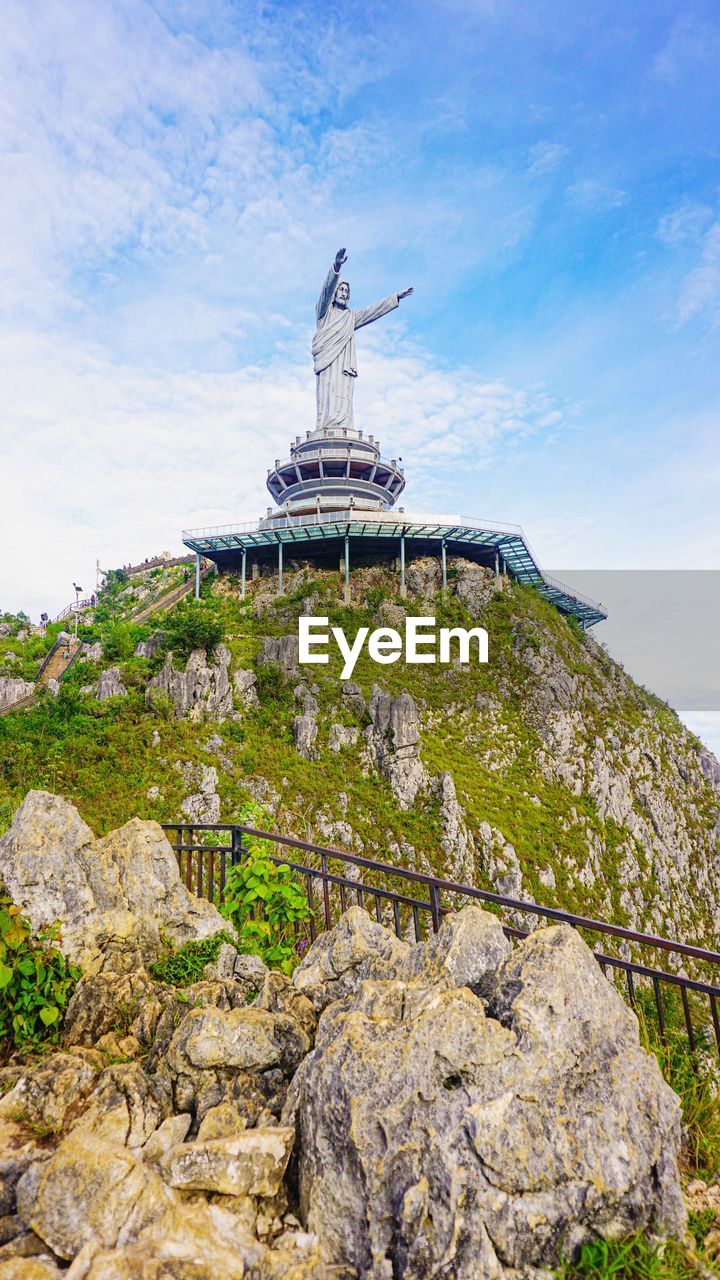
(634, 1258)
(182, 966)
(694, 1076)
(102, 757)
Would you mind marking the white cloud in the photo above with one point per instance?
(592, 194)
(111, 461)
(700, 293)
(683, 224)
(545, 157)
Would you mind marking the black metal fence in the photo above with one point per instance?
(412, 903)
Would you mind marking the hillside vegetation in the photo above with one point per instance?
(547, 773)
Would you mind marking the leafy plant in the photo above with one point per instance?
(183, 966)
(36, 981)
(192, 625)
(264, 901)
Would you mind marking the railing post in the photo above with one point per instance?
(435, 907)
(197, 575)
(237, 850)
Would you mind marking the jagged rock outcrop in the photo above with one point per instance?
(202, 691)
(393, 741)
(281, 651)
(110, 685)
(13, 690)
(471, 1108)
(342, 736)
(111, 895)
(203, 802)
(474, 1141)
(244, 682)
(305, 735)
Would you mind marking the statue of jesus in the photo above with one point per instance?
(333, 346)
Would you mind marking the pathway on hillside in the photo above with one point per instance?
(169, 599)
(62, 654)
(58, 659)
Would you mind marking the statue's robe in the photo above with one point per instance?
(333, 352)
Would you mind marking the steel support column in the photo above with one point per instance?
(443, 561)
(244, 576)
(347, 568)
(280, 568)
(497, 564)
(197, 575)
(402, 565)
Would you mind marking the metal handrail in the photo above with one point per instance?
(363, 455)
(451, 886)
(208, 856)
(352, 514)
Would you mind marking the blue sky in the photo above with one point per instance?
(177, 177)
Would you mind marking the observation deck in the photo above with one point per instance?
(345, 536)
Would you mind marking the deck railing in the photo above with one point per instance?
(413, 903)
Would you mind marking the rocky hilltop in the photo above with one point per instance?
(547, 774)
(463, 1107)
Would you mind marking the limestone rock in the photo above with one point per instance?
(93, 1191)
(19, 1151)
(468, 1145)
(475, 586)
(305, 733)
(468, 949)
(100, 1001)
(110, 685)
(172, 1131)
(202, 691)
(342, 735)
(222, 1121)
(394, 744)
(280, 995)
(423, 577)
(203, 804)
(710, 766)
(252, 1162)
(244, 682)
(217, 1055)
(91, 652)
(338, 961)
(193, 1240)
(247, 1039)
(148, 648)
(29, 1269)
(13, 690)
(352, 696)
(52, 1086)
(281, 651)
(114, 893)
(126, 1106)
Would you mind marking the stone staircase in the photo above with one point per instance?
(62, 654)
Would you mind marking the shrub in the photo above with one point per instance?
(193, 626)
(184, 966)
(36, 982)
(264, 901)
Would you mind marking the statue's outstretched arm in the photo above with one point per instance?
(366, 315)
(328, 289)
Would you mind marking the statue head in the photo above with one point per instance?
(342, 293)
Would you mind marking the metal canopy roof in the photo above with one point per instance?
(225, 540)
